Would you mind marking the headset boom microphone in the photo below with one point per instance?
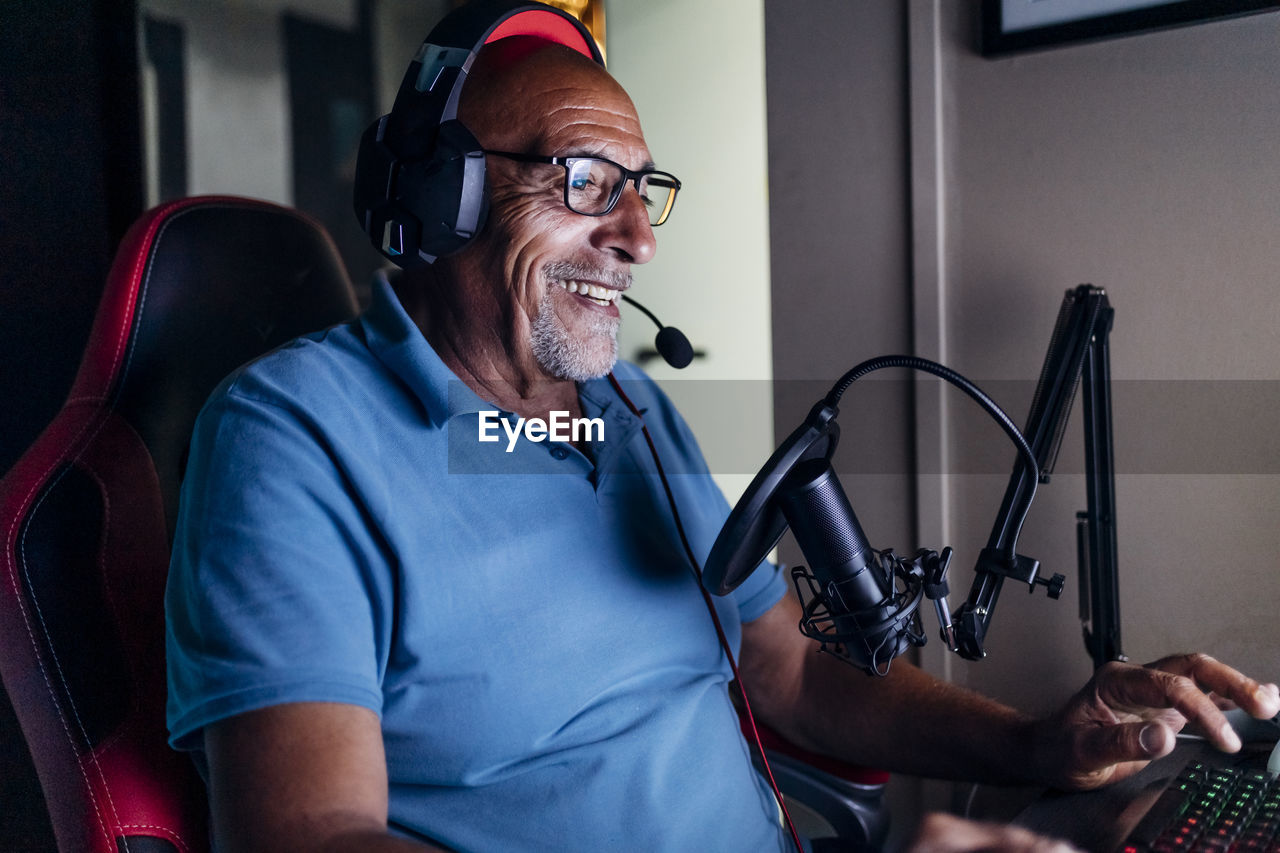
(670, 342)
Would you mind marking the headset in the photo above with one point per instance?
(420, 186)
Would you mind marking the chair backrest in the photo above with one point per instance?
(198, 287)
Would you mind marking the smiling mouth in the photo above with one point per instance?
(596, 293)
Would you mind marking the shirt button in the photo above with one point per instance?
(559, 453)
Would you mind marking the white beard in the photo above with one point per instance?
(574, 358)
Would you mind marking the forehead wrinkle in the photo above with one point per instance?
(594, 129)
(626, 119)
(588, 133)
(570, 105)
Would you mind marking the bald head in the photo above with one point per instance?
(522, 90)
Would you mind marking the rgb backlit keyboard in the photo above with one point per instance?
(1212, 808)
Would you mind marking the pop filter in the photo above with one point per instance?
(757, 523)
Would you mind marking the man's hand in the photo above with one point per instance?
(943, 833)
(910, 722)
(1128, 715)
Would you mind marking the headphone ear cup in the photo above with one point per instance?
(387, 225)
(448, 194)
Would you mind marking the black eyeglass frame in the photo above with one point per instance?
(628, 177)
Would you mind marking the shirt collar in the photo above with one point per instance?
(398, 343)
(600, 400)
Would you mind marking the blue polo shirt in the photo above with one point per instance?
(521, 616)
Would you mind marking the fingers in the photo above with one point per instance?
(1232, 686)
(1098, 755)
(1138, 690)
(1128, 715)
(1115, 744)
(1228, 688)
(1179, 683)
(943, 833)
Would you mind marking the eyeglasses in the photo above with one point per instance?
(593, 185)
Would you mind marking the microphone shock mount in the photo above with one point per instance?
(869, 639)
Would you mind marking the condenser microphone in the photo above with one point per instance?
(670, 343)
(857, 590)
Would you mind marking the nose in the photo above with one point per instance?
(626, 231)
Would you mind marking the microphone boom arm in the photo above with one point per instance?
(1078, 356)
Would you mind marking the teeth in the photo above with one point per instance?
(594, 292)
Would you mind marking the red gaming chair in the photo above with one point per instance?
(198, 287)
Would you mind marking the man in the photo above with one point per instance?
(384, 637)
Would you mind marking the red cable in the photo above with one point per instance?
(711, 608)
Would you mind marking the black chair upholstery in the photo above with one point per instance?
(198, 287)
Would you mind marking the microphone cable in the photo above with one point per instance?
(711, 608)
(977, 394)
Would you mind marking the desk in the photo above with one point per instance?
(1100, 820)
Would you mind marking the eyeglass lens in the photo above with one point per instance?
(591, 185)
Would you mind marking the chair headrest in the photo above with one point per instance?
(198, 287)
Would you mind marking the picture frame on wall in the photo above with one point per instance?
(1009, 26)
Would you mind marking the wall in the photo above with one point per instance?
(705, 123)
(1146, 165)
(238, 136)
(838, 161)
(58, 222)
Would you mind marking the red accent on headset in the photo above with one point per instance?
(544, 25)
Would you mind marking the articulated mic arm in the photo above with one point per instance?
(1078, 356)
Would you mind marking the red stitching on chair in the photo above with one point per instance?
(35, 644)
(160, 831)
(92, 386)
(87, 387)
(74, 440)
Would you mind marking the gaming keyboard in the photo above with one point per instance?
(1211, 808)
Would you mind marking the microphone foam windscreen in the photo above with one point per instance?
(674, 347)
